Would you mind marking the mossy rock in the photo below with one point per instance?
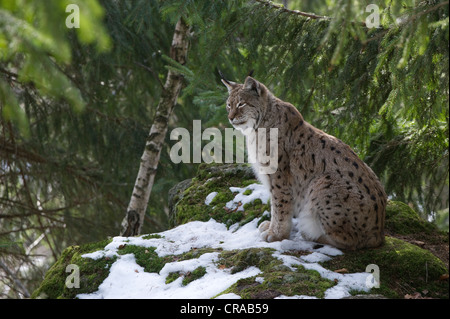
(92, 272)
(145, 257)
(403, 220)
(404, 269)
(188, 277)
(241, 259)
(405, 223)
(276, 279)
(189, 200)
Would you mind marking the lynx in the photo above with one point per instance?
(336, 197)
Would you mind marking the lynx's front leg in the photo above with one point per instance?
(279, 227)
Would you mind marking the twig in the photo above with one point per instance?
(297, 12)
(16, 280)
(8, 73)
(429, 10)
(152, 72)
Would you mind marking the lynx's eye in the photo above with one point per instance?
(228, 107)
(241, 104)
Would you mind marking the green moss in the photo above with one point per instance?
(403, 220)
(194, 275)
(150, 236)
(241, 259)
(188, 277)
(404, 268)
(282, 281)
(196, 253)
(221, 197)
(146, 257)
(92, 272)
(217, 178)
(172, 277)
(277, 278)
(247, 192)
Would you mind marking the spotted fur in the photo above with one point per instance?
(336, 196)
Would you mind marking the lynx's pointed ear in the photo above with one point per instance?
(252, 86)
(230, 85)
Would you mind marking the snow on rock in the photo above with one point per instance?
(210, 197)
(129, 280)
(258, 191)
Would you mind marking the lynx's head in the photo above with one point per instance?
(246, 103)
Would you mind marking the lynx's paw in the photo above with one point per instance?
(268, 235)
(264, 226)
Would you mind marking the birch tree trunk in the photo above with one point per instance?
(134, 219)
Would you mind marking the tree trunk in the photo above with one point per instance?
(134, 219)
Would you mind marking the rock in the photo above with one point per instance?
(404, 223)
(403, 268)
(185, 258)
(176, 195)
(93, 272)
(190, 196)
(403, 220)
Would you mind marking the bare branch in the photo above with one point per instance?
(19, 284)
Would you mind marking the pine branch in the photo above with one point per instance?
(301, 13)
(297, 12)
(152, 72)
(271, 4)
(412, 18)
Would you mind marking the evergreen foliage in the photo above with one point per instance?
(76, 104)
(382, 90)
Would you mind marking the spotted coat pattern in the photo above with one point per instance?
(338, 199)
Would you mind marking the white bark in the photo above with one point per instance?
(133, 221)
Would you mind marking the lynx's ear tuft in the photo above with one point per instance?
(252, 86)
(230, 85)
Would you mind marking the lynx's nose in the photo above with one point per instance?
(232, 114)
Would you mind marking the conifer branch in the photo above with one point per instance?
(437, 6)
(297, 12)
(300, 13)
(152, 72)
(273, 5)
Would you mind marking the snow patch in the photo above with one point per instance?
(129, 280)
(258, 192)
(210, 198)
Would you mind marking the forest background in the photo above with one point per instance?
(77, 104)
